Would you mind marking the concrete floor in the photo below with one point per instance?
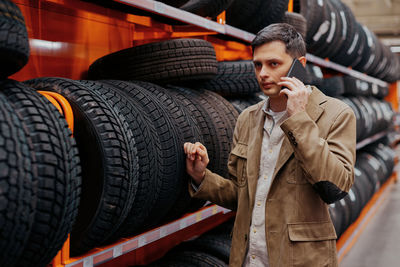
(379, 243)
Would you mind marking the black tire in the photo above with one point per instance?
(335, 217)
(148, 146)
(386, 63)
(219, 146)
(188, 258)
(14, 44)
(207, 129)
(18, 184)
(360, 120)
(377, 166)
(227, 111)
(298, 21)
(169, 61)
(216, 245)
(353, 47)
(366, 50)
(345, 220)
(354, 86)
(370, 52)
(330, 42)
(379, 151)
(109, 162)
(367, 120)
(314, 75)
(242, 103)
(59, 180)
(170, 160)
(333, 86)
(234, 78)
(364, 187)
(349, 24)
(204, 8)
(315, 13)
(369, 169)
(254, 15)
(353, 199)
(380, 124)
(188, 131)
(370, 113)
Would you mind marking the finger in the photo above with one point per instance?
(186, 147)
(190, 153)
(202, 153)
(290, 80)
(288, 85)
(300, 85)
(298, 81)
(286, 92)
(193, 148)
(201, 146)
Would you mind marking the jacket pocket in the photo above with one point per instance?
(238, 164)
(312, 244)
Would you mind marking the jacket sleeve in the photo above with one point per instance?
(328, 163)
(218, 189)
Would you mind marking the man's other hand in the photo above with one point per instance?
(196, 161)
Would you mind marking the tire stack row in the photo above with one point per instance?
(123, 171)
(343, 85)
(130, 139)
(333, 32)
(373, 115)
(374, 166)
(40, 174)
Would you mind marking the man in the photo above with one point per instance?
(292, 153)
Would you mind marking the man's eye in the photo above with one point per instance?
(257, 64)
(274, 64)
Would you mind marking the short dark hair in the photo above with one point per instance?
(286, 33)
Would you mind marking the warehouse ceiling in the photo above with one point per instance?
(380, 16)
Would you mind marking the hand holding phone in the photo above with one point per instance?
(297, 70)
(297, 94)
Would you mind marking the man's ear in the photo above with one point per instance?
(303, 61)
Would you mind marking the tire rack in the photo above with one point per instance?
(150, 245)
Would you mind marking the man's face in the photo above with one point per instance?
(271, 62)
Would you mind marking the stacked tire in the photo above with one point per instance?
(40, 177)
(373, 115)
(210, 249)
(129, 136)
(374, 166)
(334, 33)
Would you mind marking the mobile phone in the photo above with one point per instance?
(297, 70)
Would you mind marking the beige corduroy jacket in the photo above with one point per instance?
(319, 148)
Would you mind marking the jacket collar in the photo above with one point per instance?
(256, 124)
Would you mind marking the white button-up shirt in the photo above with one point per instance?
(257, 254)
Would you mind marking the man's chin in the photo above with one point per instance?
(271, 93)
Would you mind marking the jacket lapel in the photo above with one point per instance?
(314, 110)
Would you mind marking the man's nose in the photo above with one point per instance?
(264, 72)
